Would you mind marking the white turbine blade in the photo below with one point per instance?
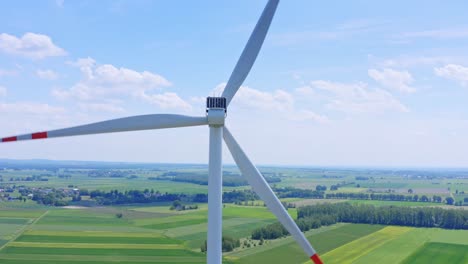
(251, 50)
(143, 122)
(261, 187)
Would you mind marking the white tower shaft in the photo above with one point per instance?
(216, 114)
(215, 193)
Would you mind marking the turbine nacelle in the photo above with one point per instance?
(216, 110)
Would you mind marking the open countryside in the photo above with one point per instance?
(83, 214)
(371, 94)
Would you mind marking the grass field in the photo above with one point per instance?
(350, 252)
(439, 253)
(401, 245)
(287, 251)
(92, 243)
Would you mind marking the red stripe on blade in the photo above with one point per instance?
(9, 139)
(39, 135)
(315, 258)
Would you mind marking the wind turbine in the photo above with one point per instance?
(216, 109)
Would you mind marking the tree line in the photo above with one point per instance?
(388, 215)
(230, 180)
(149, 196)
(390, 197)
(292, 192)
(315, 216)
(277, 230)
(228, 244)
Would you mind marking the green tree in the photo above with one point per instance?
(449, 200)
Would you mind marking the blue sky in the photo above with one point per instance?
(355, 83)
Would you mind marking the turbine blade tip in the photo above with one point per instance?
(9, 139)
(316, 259)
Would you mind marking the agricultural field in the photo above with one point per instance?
(153, 233)
(93, 236)
(404, 245)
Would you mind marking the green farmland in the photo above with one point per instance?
(81, 236)
(90, 232)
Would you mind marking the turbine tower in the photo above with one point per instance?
(216, 109)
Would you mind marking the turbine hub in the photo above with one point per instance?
(216, 110)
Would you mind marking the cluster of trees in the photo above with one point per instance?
(291, 192)
(389, 197)
(230, 180)
(321, 188)
(52, 197)
(271, 231)
(60, 197)
(315, 216)
(236, 196)
(228, 244)
(149, 196)
(362, 178)
(107, 173)
(178, 206)
(29, 178)
(277, 230)
(134, 196)
(388, 215)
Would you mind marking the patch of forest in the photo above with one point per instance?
(315, 216)
(229, 179)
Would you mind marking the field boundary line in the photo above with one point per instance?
(23, 229)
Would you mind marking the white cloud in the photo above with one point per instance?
(103, 82)
(397, 80)
(3, 91)
(305, 115)
(453, 72)
(167, 101)
(278, 100)
(199, 100)
(109, 77)
(30, 108)
(305, 91)
(30, 45)
(47, 74)
(101, 107)
(358, 98)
